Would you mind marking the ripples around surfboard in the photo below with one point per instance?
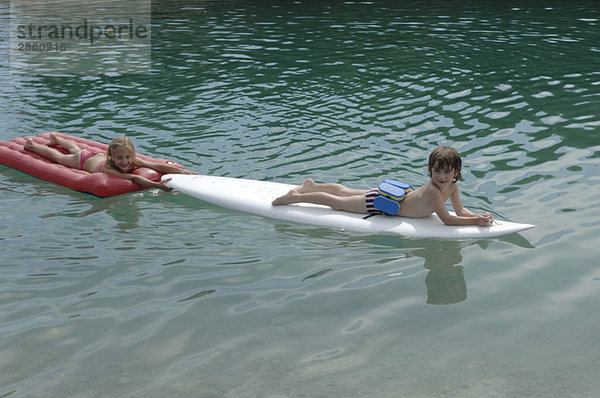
(263, 99)
(281, 92)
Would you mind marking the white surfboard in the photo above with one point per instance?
(256, 196)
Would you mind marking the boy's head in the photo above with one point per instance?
(446, 158)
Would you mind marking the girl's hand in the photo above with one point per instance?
(163, 185)
(184, 171)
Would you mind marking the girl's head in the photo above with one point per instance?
(121, 154)
(445, 158)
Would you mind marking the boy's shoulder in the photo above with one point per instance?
(432, 190)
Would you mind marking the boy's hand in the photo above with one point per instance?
(485, 220)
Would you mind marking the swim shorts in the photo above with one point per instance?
(369, 196)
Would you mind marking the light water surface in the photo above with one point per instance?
(156, 294)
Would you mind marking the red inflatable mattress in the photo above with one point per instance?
(13, 154)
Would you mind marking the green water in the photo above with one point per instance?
(156, 294)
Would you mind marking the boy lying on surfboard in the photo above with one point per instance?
(444, 169)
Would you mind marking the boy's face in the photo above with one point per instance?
(443, 176)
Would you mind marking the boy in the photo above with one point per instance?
(444, 169)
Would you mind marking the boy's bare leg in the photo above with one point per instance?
(353, 204)
(335, 189)
(69, 160)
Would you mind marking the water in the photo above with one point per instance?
(155, 294)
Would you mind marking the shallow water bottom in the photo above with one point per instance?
(186, 299)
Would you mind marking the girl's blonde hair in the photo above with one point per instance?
(119, 142)
(445, 157)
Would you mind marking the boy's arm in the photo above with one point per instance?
(163, 168)
(457, 205)
(463, 216)
(484, 220)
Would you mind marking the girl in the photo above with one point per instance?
(119, 160)
(444, 169)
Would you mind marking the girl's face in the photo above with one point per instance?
(123, 159)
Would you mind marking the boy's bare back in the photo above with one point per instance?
(422, 202)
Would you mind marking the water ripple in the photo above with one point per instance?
(135, 295)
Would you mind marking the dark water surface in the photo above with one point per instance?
(156, 294)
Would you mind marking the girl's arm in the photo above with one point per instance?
(141, 181)
(163, 168)
(463, 216)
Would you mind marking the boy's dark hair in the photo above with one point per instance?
(445, 157)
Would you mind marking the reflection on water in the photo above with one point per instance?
(445, 281)
(123, 209)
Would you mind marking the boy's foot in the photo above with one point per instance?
(285, 199)
(306, 186)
